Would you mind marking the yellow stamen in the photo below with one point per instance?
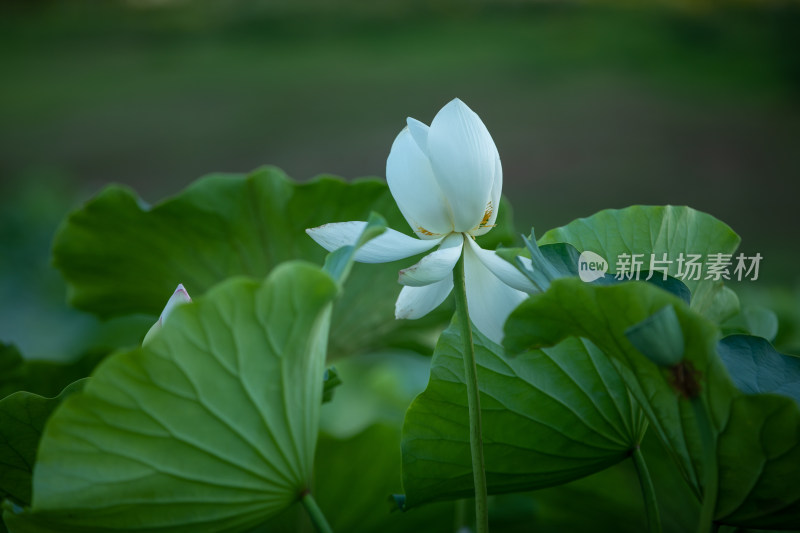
(486, 216)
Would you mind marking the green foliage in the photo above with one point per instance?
(22, 419)
(756, 367)
(120, 256)
(377, 389)
(609, 501)
(658, 230)
(659, 337)
(754, 320)
(765, 429)
(193, 425)
(218, 423)
(330, 380)
(759, 463)
(603, 314)
(549, 416)
(45, 378)
(617, 319)
(357, 464)
(355, 477)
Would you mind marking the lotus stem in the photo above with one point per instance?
(473, 401)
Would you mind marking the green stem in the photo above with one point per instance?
(710, 485)
(648, 492)
(473, 400)
(315, 513)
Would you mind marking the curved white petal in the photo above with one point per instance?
(419, 132)
(416, 302)
(505, 271)
(390, 245)
(415, 189)
(489, 300)
(436, 265)
(492, 208)
(463, 157)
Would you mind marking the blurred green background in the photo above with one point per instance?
(592, 106)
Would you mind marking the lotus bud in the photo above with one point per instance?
(180, 296)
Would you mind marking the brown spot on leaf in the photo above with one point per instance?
(685, 379)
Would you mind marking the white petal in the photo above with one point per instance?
(505, 271)
(489, 300)
(391, 245)
(463, 157)
(416, 302)
(492, 208)
(415, 189)
(419, 132)
(436, 265)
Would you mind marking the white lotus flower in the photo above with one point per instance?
(446, 180)
(180, 296)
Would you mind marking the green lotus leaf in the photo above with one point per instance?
(212, 426)
(758, 436)
(22, 419)
(756, 367)
(655, 231)
(549, 416)
(121, 256)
